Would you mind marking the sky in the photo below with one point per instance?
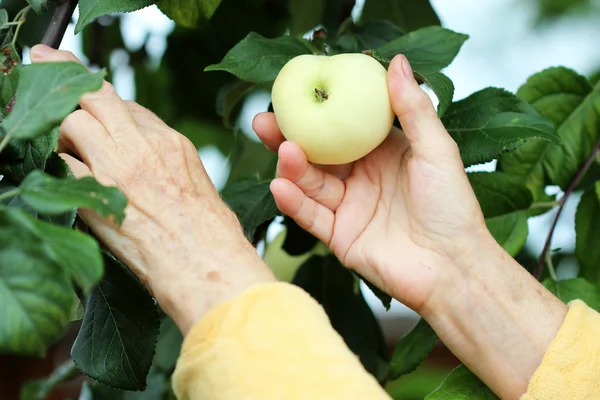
(503, 49)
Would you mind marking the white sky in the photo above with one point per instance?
(503, 50)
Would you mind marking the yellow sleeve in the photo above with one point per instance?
(273, 342)
(570, 368)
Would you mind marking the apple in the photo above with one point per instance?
(336, 108)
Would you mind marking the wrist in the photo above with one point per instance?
(495, 317)
(194, 286)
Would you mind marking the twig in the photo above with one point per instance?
(58, 25)
(561, 205)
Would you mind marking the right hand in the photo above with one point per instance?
(401, 215)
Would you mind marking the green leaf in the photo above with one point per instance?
(337, 290)
(189, 13)
(39, 6)
(462, 384)
(367, 36)
(597, 185)
(116, 343)
(306, 14)
(76, 253)
(569, 101)
(428, 49)
(89, 10)
(35, 296)
(252, 202)
(509, 230)
(443, 88)
(408, 14)
(41, 388)
(53, 196)
(575, 289)
(499, 193)
(587, 223)
(492, 121)
(257, 59)
(46, 94)
(412, 349)
(168, 346)
(297, 240)
(386, 299)
(3, 18)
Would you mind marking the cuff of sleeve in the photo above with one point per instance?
(274, 341)
(570, 367)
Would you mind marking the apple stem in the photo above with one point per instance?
(321, 95)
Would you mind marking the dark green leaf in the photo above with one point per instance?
(36, 153)
(462, 384)
(9, 78)
(306, 15)
(443, 88)
(76, 253)
(39, 6)
(230, 99)
(89, 10)
(297, 240)
(252, 202)
(587, 226)
(257, 59)
(408, 14)
(116, 343)
(386, 299)
(248, 155)
(337, 290)
(53, 196)
(189, 13)
(509, 230)
(35, 295)
(428, 49)
(46, 94)
(367, 36)
(168, 346)
(566, 98)
(412, 349)
(575, 289)
(499, 193)
(492, 121)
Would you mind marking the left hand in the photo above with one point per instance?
(176, 227)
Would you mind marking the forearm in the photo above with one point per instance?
(496, 318)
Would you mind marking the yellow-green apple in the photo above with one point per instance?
(336, 108)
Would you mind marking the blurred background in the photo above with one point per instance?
(509, 41)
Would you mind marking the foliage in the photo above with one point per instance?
(219, 55)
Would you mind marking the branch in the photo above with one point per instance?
(561, 205)
(58, 25)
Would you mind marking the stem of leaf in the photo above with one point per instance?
(551, 269)
(561, 205)
(10, 194)
(19, 20)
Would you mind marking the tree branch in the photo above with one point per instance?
(60, 20)
(561, 205)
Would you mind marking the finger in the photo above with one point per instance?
(310, 215)
(78, 168)
(105, 104)
(421, 125)
(317, 184)
(265, 126)
(144, 117)
(81, 134)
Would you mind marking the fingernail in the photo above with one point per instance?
(408, 72)
(40, 50)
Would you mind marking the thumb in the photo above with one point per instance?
(420, 123)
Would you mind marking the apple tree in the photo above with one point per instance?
(55, 275)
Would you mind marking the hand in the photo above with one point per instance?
(398, 216)
(406, 218)
(176, 227)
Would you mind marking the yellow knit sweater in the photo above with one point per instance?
(275, 342)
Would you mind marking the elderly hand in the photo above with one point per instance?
(178, 236)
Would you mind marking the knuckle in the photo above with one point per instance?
(74, 119)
